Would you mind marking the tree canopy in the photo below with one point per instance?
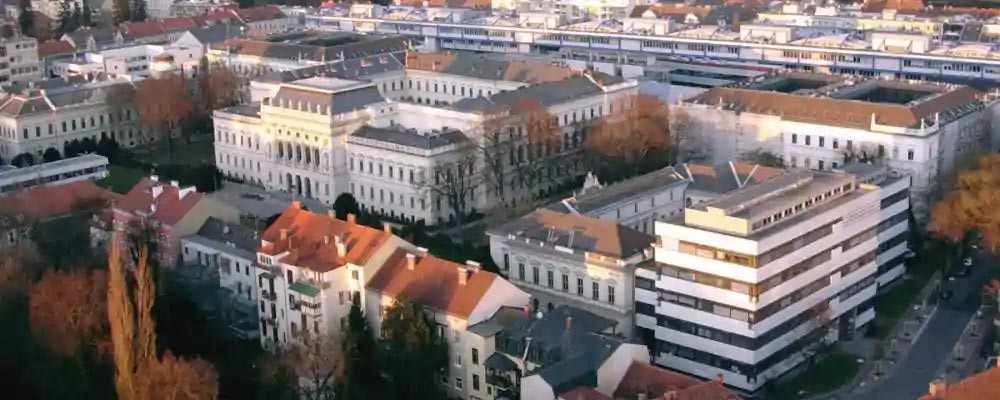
(972, 206)
(412, 353)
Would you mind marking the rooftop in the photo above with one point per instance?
(167, 203)
(577, 232)
(546, 93)
(31, 205)
(410, 138)
(592, 200)
(488, 67)
(726, 177)
(230, 234)
(984, 385)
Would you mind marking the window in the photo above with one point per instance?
(475, 356)
(551, 278)
(354, 275)
(565, 283)
(458, 379)
(611, 294)
(579, 286)
(808, 139)
(595, 292)
(475, 382)
(534, 275)
(520, 271)
(909, 154)
(835, 144)
(795, 138)
(821, 140)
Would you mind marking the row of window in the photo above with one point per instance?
(550, 282)
(67, 126)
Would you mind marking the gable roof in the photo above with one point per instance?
(656, 382)
(168, 207)
(592, 200)
(984, 385)
(51, 47)
(260, 13)
(487, 67)
(177, 24)
(836, 112)
(140, 29)
(545, 93)
(46, 202)
(577, 232)
(433, 282)
(311, 240)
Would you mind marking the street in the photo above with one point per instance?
(932, 349)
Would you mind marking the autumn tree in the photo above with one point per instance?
(216, 86)
(67, 311)
(537, 140)
(163, 105)
(176, 378)
(972, 205)
(133, 333)
(628, 137)
(318, 363)
(412, 353)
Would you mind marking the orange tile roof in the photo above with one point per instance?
(170, 207)
(310, 240)
(836, 112)
(583, 393)
(984, 385)
(49, 201)
(595, 235)
(138, 29)
(656, 382)
(54, 47)
(433, 282)
(484, 67)
(178, 23)
(260, 13)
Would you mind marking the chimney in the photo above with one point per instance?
(154, 178)
(175, 184)
(331, 214)
(284, 234)
(341, 245)
(352, 219)
(296, 204)
(473, 266)
(422, 251)
(387, 228)
(720, 379)
(463, 275)
(326, 239)
(411, 261)
(938, 388)
(569, 322)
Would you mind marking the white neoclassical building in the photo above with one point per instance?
(391, 137)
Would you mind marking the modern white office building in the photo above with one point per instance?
(889, 44)
(748, 285)
(88, 166)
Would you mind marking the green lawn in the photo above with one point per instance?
(891, 305)
(120, 178)
(830, 373)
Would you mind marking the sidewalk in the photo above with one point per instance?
(964, 357)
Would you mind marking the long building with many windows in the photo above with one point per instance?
(749, 285)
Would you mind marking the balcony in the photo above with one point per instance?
(309, 288)
(268, 295)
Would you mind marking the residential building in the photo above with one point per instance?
(170, 211)
(135, 61)
(87, 39)
(983, 385)
(402, 130)
(571, 354)
(20, 60)
(51, 113)
(637, 202)
(812, 121)
(228, 251)
(22, 210)
(85, 167)
(455, 297)
(575, 260)
(309, 267)
(195, 8)
(749, 285)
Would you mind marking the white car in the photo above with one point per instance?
(967, 261)
(909, 254)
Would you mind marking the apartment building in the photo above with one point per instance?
(172, 212)
(455, 297)
(51, 113)
(307, 269)
(636, 202)
(862, 47)
(748, 285)
(136, 61)
(19, 60)
(394, 155)
(575, 260)
(820, 122)
(23, 210)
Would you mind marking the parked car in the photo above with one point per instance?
(967, 261)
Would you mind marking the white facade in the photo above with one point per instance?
(133, 60)
(795, 270)
(89, 166)
(19, 60)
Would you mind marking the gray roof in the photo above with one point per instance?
(363, 47)
(410, 138)
(233, 238)
(100, 35)
(339, 102)
(547, 94)
(355, 68)
(576, 232)
(247, 110)
(638, 186)
(217, 33)
(58, 93)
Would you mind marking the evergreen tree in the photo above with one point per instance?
(360, 377)
(77, 16)
(123, 10)
(411, 353)
(65, 19)
(51, 154)
(139, 10)
(26, 19)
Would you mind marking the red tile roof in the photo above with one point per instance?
(433, 282)
(176, 24)
(54, 47)
(311, 240)
(657, 382)
(170, 207)
(49, 201)
(583, 393)
(260, 13)
(138, 29)
(984, 385)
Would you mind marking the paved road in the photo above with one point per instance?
(933, 347)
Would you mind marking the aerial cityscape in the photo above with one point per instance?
(500, 199)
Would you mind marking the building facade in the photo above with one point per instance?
(753, 283)
(85, 167)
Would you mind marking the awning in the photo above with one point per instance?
(304, 288)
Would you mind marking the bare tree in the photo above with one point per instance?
(67, 311)
(638, 127)
(495, 145)
(174, 378)
(456, 183)
(318, 363)
(536, 141)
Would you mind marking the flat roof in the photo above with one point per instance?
(330, 84)
(83, 161)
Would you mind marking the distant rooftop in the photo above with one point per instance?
(410, 138)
